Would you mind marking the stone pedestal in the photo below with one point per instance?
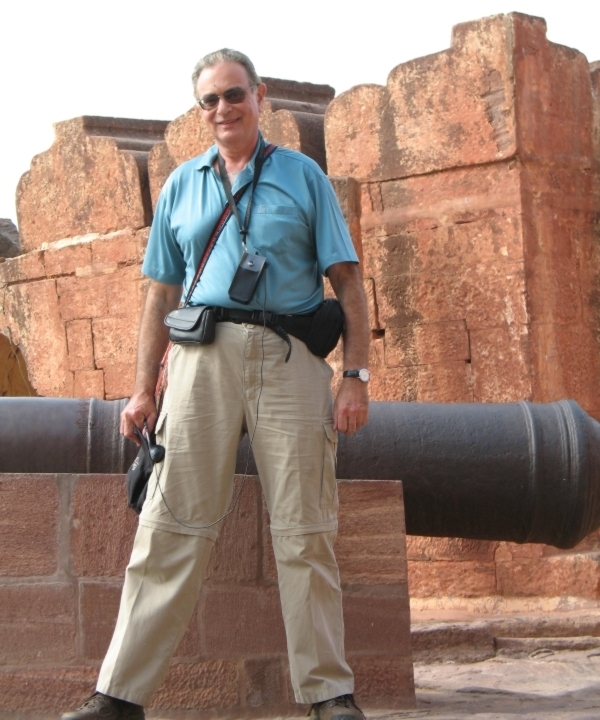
(66, 540)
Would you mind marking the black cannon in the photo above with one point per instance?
(523, 472)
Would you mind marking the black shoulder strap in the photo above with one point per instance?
(224, 217)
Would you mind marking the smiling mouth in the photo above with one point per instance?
(228, 122)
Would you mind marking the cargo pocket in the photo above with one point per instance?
(161, 429)
(328, 480)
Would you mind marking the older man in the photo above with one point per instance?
(246, 380)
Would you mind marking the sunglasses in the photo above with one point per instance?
(233, 96)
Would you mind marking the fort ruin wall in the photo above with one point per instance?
(471, 184)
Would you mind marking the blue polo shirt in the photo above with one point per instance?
(296, 223)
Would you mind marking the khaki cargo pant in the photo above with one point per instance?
(216, 392)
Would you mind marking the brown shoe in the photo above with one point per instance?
(339, 708)
(104, 707)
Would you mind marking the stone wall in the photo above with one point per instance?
(66, 540)
(479, 170)
(471, 186)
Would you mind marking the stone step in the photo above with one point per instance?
(484, 638)
(539, 647)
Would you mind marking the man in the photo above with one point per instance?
(243, 381)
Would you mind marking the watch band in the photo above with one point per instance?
(362, 374)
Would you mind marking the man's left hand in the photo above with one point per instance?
(351, 407)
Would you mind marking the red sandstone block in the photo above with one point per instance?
(236, 555)
(126, 293)
(344, 120)
(551, 577)
(554, 117)
(54, 689)
(501, 364)
(420, 548)
(503, 552)
(418, 344)
(102, 527)
(369, 285)
(87, 182)
(460, 579)
(88, 384)
(348, 194)
(98, 608)
(377, 352)
(486, 296)
(199, 686)
(24, 267)
(445, 382)
(82, 297)
(441, 382)
(560, 372)
(79, 345)
(554, 289)
(68, 259)
(527, 551)
(29, 508)
(160, 165)
(118, 380)
(444, 110)
(558, 216)
(383, 681)
(242, 620)
(32, 311)
(121, 248)
(263, 681)
(377, 623)
(115, 341)
(371, 543)
(37, 623)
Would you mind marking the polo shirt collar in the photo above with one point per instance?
(207, 159)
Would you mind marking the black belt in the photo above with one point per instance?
(296, 325)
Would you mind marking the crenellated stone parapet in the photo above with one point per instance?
(93, 179)
(480, 199)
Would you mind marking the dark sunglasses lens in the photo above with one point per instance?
(209, 102)
(234, 95)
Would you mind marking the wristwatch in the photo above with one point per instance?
(362, 374)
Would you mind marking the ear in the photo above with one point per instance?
(261, 91)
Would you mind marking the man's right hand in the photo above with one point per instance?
(141, 407)
(153, 341)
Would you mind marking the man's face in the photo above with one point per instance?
(233, 126)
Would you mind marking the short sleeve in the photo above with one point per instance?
(332, 240)
(164, 259)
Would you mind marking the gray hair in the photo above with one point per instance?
(225, 55)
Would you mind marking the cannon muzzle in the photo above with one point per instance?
(522, 472)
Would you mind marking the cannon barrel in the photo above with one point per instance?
(523, 472)
(62, 435)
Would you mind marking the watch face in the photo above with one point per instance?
(364, 375)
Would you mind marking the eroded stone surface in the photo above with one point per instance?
(94, 178)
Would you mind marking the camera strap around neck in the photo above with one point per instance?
(261, 156)
(228, 210)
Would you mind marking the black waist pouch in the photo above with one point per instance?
(192, 325)
(324, 331)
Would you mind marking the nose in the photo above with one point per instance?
(223, 105)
